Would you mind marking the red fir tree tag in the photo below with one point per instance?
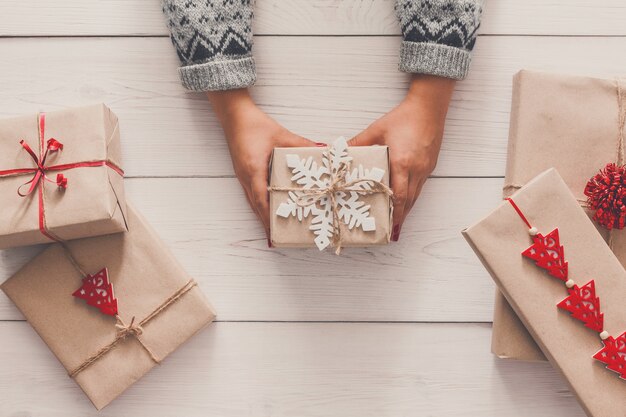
(582, 302)
(98, 292)
(613, 354)
(585, 306)
(548, 254)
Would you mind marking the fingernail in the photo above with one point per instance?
(395, 234)
(269, 243)
(320, 144)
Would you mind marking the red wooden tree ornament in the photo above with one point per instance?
(582, 302)
(614, 354)
(585, 306)
(98, 292)
(547, 253)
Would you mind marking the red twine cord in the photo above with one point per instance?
(40, 172)
(519, 211)
(52, 145)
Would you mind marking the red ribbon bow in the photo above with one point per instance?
(39, 172)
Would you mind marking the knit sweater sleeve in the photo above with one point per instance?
(438, 35)
(213, 39)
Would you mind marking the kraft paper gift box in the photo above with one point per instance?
(159, 307)
(499, 240)
(570, 123)
(78, 149)
(364, 216)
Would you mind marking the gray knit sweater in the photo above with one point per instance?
(213, 39)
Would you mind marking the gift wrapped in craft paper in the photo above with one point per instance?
(60, 176)
(574, 124)
(336, 196)
(499, 240)
(158, 306)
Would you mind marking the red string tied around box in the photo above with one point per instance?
(41, 169)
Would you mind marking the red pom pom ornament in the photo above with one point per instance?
(606, 194)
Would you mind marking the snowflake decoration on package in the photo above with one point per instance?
(330, 193)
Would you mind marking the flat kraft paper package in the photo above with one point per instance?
(153, 292)
(499, 240)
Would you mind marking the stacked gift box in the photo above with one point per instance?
(555, 246)
(107, 296)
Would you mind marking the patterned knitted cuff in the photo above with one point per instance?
(435, 59)
(219, 75)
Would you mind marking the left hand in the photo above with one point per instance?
(413, 130)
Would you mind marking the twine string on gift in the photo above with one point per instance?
(621, 123)
(308, 197)
(510, 188)
(124, 331)
(621, 120)
(133, 330)
(70, 257)
(41, 170)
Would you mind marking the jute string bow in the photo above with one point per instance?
(124, 331)
(308, 197)
(621, 122)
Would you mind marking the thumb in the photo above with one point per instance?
(364, 138)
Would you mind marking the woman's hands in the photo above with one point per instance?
(413, 131)
(251, 135)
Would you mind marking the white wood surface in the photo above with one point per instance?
(393, 331)
(307, 17)
(301, 369)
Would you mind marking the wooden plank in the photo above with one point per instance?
(305, 17)
(430, 275)
(287, 369)
(337, 87)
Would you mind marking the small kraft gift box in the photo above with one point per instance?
(564, 283)
(335, 196)
(576, 125)
(110, 307)
(60, 176)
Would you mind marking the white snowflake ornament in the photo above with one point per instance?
(331, 194)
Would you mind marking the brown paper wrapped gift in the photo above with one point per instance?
(144, 275)
(570, 123)
(289, 231)
(92, 203)
(499, 240)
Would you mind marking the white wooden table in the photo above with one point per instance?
(402, 330)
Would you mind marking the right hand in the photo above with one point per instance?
(252, 135)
